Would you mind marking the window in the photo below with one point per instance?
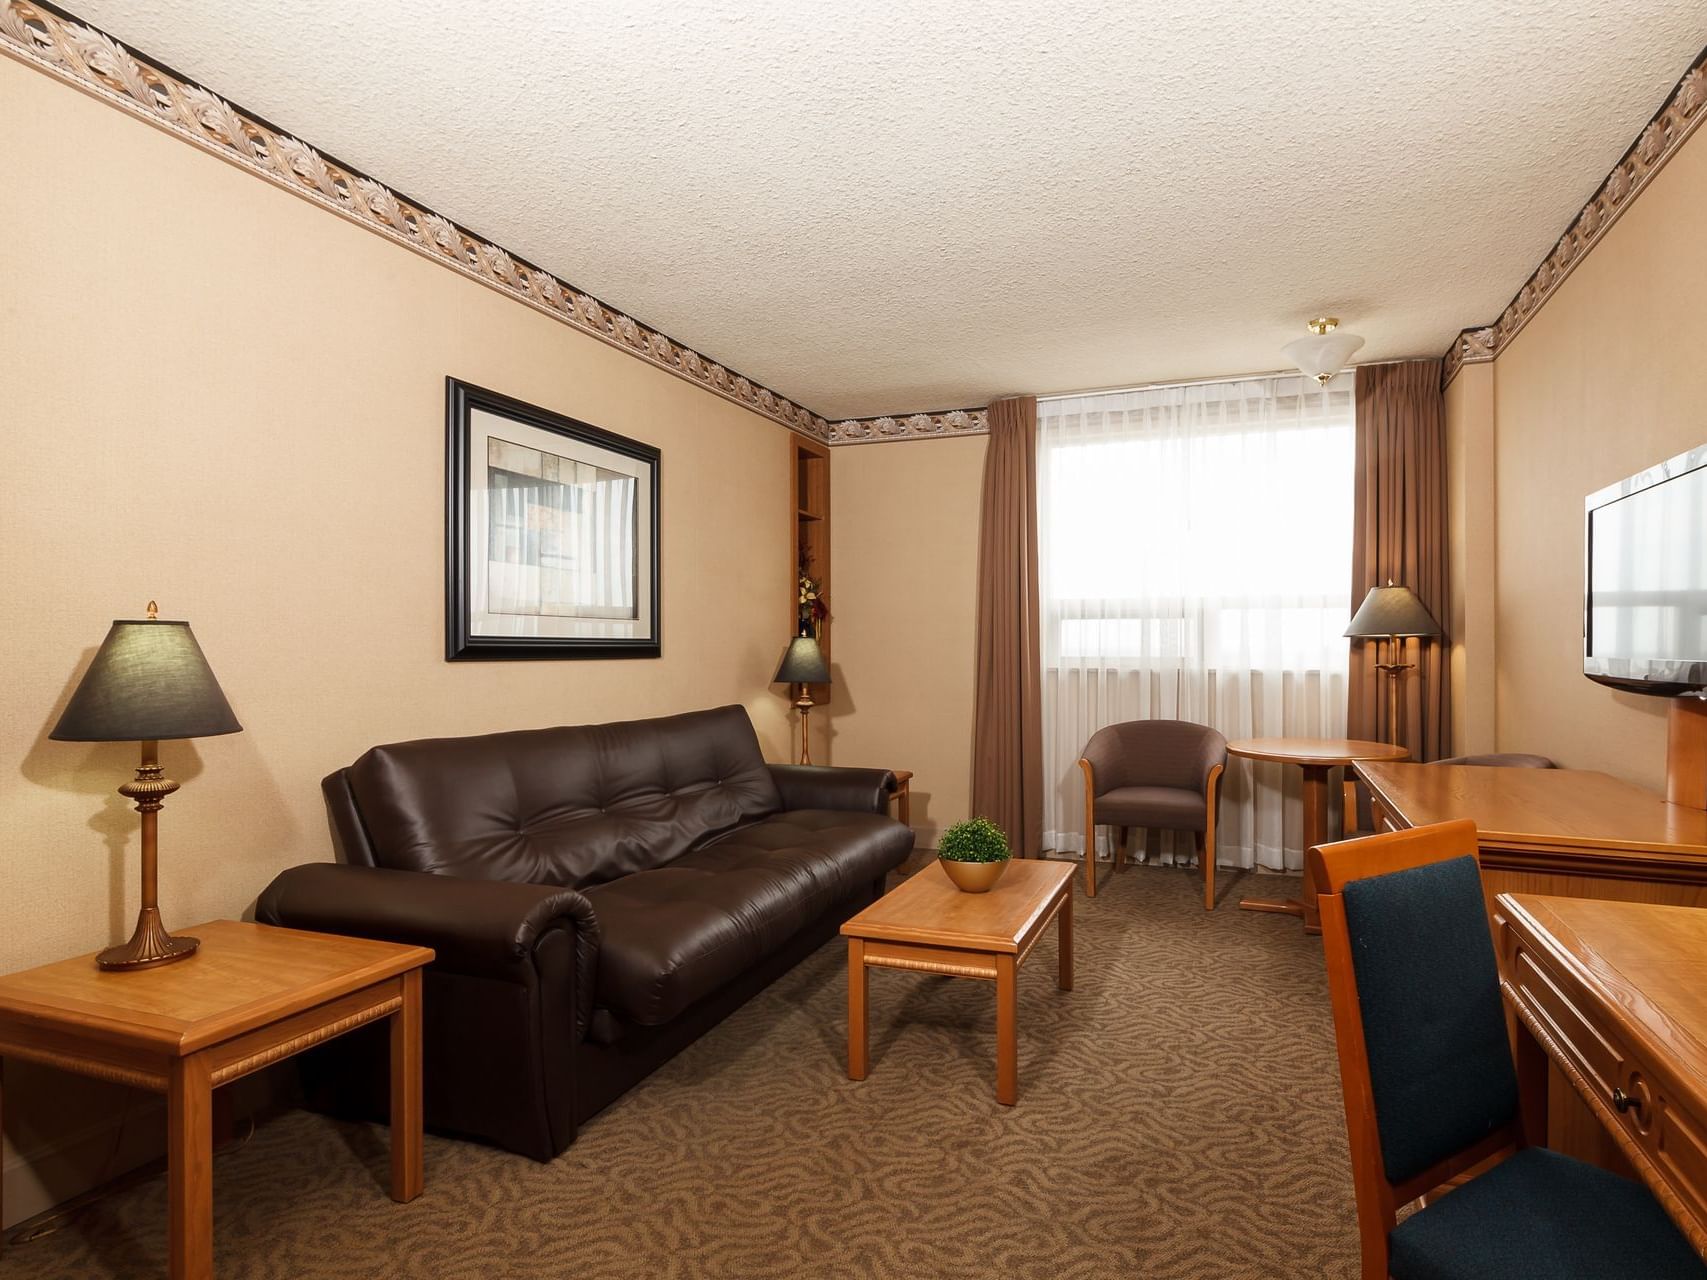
(1195, 547)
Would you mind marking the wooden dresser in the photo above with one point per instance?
(1564, 832)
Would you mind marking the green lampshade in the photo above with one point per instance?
(1392, 611)
(148, 681)
(802, 663)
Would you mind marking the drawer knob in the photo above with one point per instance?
(1622, 1100)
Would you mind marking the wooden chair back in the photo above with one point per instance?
(1378, 1198)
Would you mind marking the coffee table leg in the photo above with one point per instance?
(406, 1173)
(189, 1168)
(1007, 1032)
(1064, 939)
(858, 986)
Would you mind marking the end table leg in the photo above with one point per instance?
(189, 1168)
(1064, 942)
(858, 1019)
(1007, 1032)
(406, 1143)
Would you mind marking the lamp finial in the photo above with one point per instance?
(153, 612)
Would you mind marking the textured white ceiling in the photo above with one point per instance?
(886, 207)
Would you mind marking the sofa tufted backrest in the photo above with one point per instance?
(573, 806)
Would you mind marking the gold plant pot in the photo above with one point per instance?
(974, 877)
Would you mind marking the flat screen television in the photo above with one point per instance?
(1645, 606)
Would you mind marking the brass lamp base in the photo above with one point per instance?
(149, 945)
(804, 705)
(1395, 672)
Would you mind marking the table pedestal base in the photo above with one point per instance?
(1315, 798)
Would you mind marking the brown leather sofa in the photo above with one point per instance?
(599, 897)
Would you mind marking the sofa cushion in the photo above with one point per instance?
(672, 936)
(574, 806)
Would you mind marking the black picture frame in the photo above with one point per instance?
(463, 640)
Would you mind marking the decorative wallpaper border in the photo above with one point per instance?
(94, 62)
(1658, 142)
(88, 59)
(911, 426)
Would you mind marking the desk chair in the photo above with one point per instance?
(1157, 774)
(1431, 1092)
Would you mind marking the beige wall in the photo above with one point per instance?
(219, 396)
(905, 550)
(1608, 378)
(1471, 525)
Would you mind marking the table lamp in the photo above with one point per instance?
(148, 681)
(1393, 612)
(803, 664)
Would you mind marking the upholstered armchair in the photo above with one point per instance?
(1158, 774)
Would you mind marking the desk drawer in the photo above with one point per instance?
(1599, 1058)
(1615, 1076)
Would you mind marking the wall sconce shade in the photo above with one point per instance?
(1391, 611)
(802, 663)
(148, 682)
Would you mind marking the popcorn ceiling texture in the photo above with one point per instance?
(920, 207)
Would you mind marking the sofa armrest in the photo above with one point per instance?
(481, 928)
(812, 786)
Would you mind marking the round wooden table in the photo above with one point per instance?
(1318, 758)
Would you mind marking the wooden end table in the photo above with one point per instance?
(1317, 758)
(929, 926)
(251, 996)
(903, 796)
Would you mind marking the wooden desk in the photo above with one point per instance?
(927, 925)
(1318, 758)
(251, 996)
(1566, 832)
(1614, 996)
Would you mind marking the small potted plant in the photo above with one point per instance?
(974, 853)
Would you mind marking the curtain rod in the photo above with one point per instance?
(1169, 386)
(1205, 382)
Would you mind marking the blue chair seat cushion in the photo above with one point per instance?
(1543, 1214)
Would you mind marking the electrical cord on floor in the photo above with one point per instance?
(54, 1220)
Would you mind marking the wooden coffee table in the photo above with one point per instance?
(249, 997)
(929, 926)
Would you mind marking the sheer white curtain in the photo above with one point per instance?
(1195, 545)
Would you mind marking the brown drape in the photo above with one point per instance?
(1401, 535)
(1007, 722)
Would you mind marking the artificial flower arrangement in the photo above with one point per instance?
(814, 609)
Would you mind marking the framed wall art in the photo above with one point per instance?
(551, 534)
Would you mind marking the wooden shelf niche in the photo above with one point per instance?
(810, 530)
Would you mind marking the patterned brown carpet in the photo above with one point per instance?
(1179, 1117)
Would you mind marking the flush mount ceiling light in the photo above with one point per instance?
(1325, 352)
